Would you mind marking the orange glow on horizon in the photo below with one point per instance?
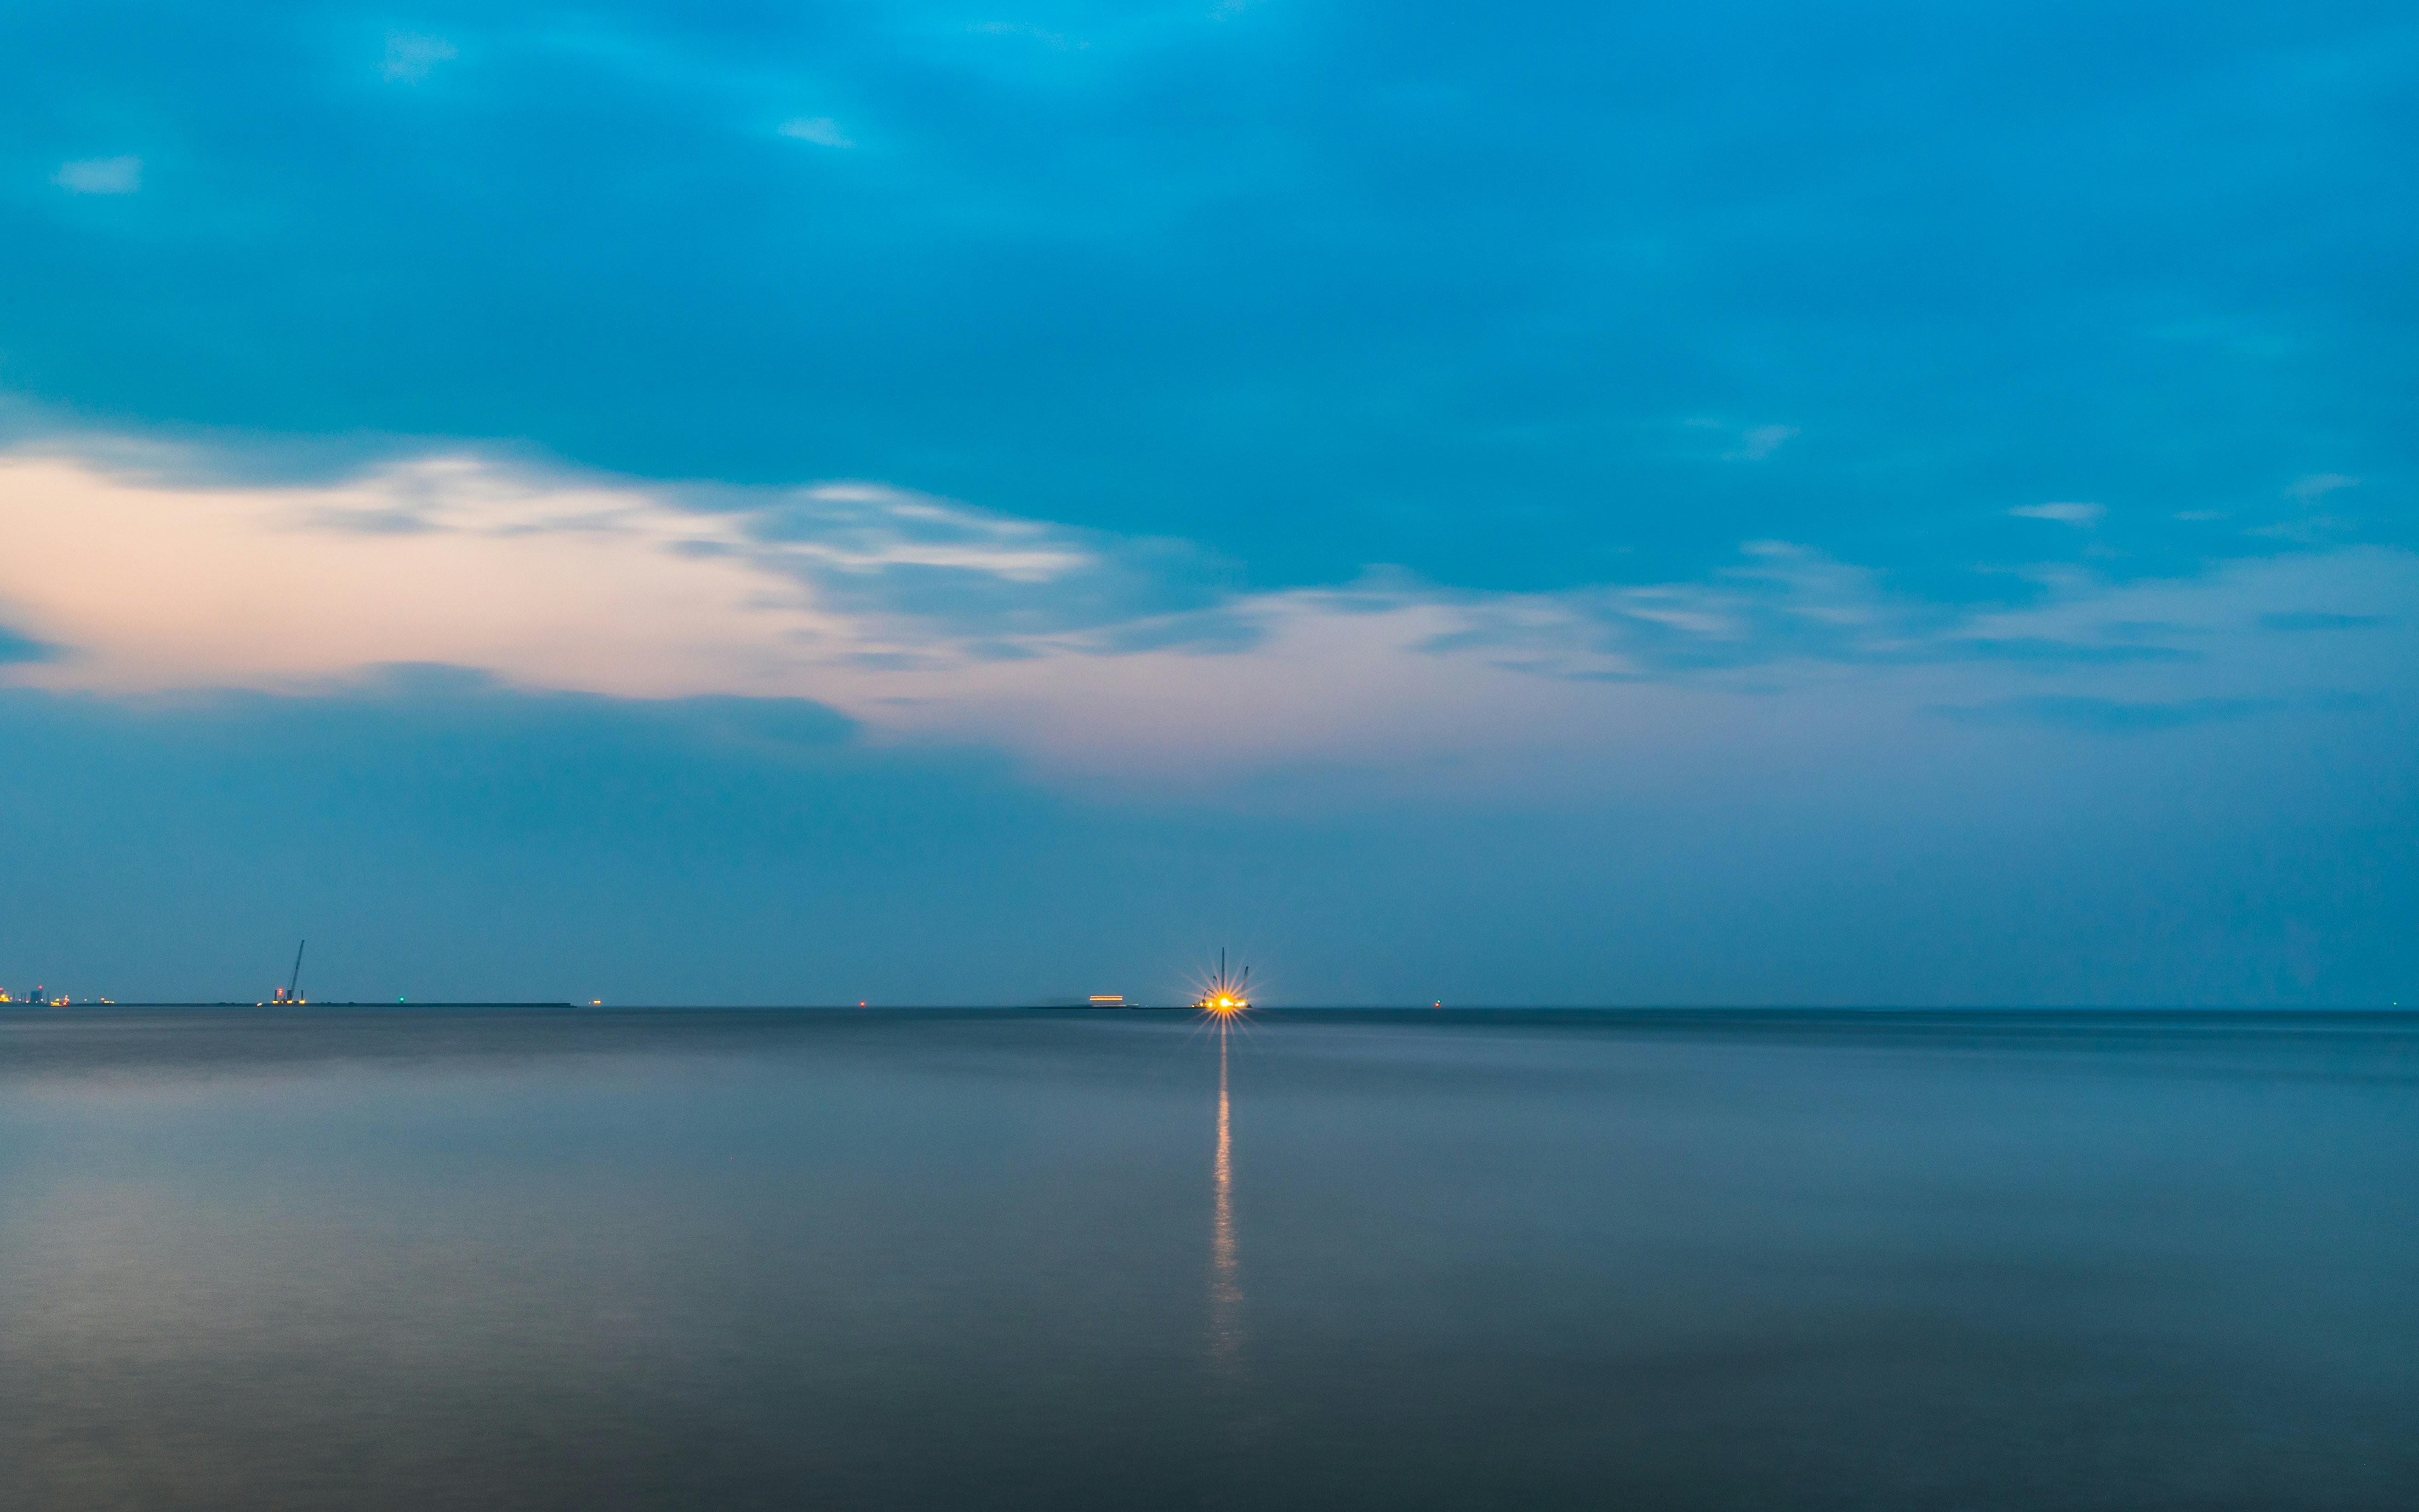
(1222, 995)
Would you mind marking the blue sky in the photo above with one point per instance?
(1736, 503)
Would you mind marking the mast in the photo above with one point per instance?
(296, 978)
(1224, 992)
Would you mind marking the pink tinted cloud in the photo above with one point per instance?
(625, 589)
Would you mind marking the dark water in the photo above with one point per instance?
(770, 1260)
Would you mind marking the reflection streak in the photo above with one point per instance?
(1225, 1293)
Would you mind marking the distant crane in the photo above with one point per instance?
(1225, 994)
(294, 981)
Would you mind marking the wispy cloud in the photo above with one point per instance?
(15, 647)
(2317, 486)
(1760, 441)
(2064, 514)
(412, 55)
(2113, 716)
(1747, 443)
(1051, 39)
(2314, 524)
(821, 130)
(100, 175)
(2295, 620)
(920, 615)
(788, 577)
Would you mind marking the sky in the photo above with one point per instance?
(1736, 503)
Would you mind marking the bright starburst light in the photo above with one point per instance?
(1225, 993)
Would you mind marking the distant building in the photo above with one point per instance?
(1108, 1000)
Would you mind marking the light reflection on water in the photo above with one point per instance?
(1225, 1281)
(607, 1261)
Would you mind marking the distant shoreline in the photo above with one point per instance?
(1643, 1015)
(304, 1003)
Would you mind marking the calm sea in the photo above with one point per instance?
(754, 1258)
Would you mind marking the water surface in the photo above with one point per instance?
(759, 1259)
